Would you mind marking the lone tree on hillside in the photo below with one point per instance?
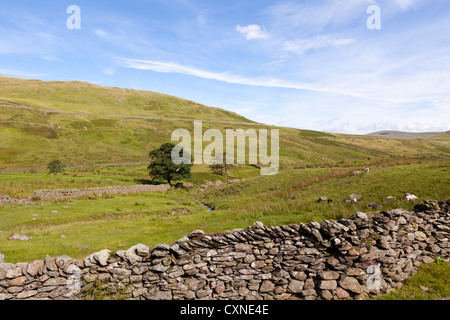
(221, 168)
(55, 166)
(163, 168)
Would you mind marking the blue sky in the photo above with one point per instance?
(311, 64)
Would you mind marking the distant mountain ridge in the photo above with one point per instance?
(403, 134)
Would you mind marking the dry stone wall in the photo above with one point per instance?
(345, 259)
(44, 195)
(98, 191)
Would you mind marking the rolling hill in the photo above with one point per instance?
(84, 124)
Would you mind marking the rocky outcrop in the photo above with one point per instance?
(345, 259)
(19, 237)
(219, 183)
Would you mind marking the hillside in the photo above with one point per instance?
(84, 124)
(443, 137)
(85, 98)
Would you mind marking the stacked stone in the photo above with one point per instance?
(4, 199)
(52, 278)
(45, 195)
(345, 259)
(97, 191)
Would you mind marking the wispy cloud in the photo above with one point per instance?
(320, 41)
(202, 17)
(318, 14)
(406, 4)
(252, 31)
(18, 73)
(315, 14)
(24, 32)
(159, 66)
(101, 33)
(380, 88)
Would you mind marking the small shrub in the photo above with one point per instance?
(55, 166)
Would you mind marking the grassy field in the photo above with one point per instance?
(120, 221)
(82, 226)
(312, 164)
(431, 282)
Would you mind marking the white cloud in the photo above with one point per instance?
(252, 31)
(350, 116)
(50, 58)
(317, 42)
(109, 71)
(101, 33)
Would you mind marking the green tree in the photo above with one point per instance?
(163, 168)
(55, 166)
(220, 169)
(216, 168)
